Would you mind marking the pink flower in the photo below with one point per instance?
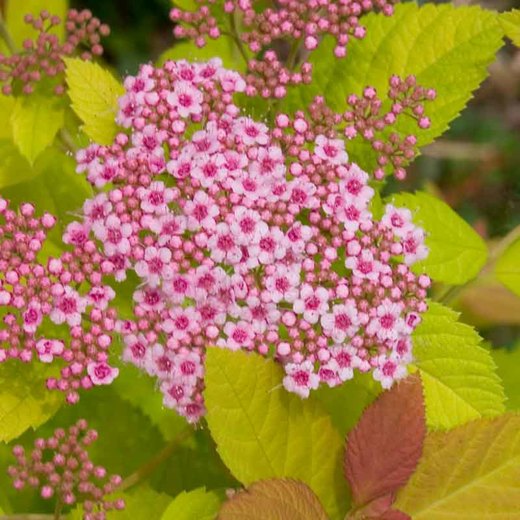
(201, 212)
(251, 132)
(100, 296)
(223, 246)
(269, 162)
(155, 266)
(271, 247)
(101, 373)
(346, 360)
(155, 198)
(354, 185)
(68, 307)
(209, 169)
(135, 349)
(114, 235)
(298, 236)
(176, 394)
(330, 150)
(414, 247)
(399, 220)
(188, 368)
(97, 209)
(329, 373)
(179, 287)
(341, 323)
(76, 234)
(149, 298)
(159, 361)
(283, 283)
(239, 335)
(300, 378)
(312, 303)
(186, 99)
(387, 324)
(183, 166)
(32, 317)
(364, 265)
(182, 323)
(388, 370)
(247, 226)
(48, 348)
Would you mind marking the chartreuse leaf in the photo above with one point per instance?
(274, 499)
(459, 377)
(94, 93)
(14, 167)
(24, 401)
(197, 504)
(447, 48)
(508, 368)
(35, 120)
(510, 22)
(395, 424)
(262, 431)
(457, 253)
(16, 10)
(470, 472)
(507, 267)
(6, 109)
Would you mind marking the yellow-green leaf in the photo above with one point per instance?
(35, 120)
(197, 504)
(17, 9)
(508, 368)
(24, 401)
(6, 109)
(459, 377)
(507, 268)
(457, 253)
(510, 22)
(468, 473)
(14, 167)
(94, 93)
(274, 499)
(262, 431)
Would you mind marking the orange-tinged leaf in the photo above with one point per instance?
(274, 499)
(385, 446)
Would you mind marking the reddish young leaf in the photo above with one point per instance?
(385, 446)
(276, 499)
(394, 514)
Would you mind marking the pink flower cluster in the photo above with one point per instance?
(246, 237)
(60, 467)
(43, 57)
(55, 308)
(299, 25)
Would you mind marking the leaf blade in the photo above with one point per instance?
(199, 503)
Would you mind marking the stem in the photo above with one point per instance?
(148, 468)
(236, 38)
(4, 34)
(58, 508)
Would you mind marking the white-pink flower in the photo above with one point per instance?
(330, 150)
(182, 323)
(101, 373)
(99, 296)
(388, 370)
(68, 306)
(312, 302)
(155, 266)
(239, 335)
(223, 246)
(186, 99)
(413, 246)
(155, 198)
(247, 226)
(188, 367)
(283, 283)
(341, 323)
(32, 317)
(201, 212)
(114, 234)
(300, 378)
(387, 324)
(251, 132)
(364, 265)
(399, 220)
(135, 349)
(48, 348)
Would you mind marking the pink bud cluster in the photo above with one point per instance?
(366, 118)
(299, 24)
(246, 237)
(60, 467)
(43, 57)
(55, 309)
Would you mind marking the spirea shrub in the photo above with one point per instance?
(228, 236)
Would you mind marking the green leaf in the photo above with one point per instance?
(14, 168)
(507, 268)
(222, 47)
(345, 403)
(94, 93)
(138, 389)
(16, 10)
(6, 109)
(508, 368)
(447, 48)
(197, 504)
(263, 431)
(24, 401)
(459, 377)
(457, 252)
(35, 121)
(510, 22)
(274, 499)
(468, 473)
(141, 503)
